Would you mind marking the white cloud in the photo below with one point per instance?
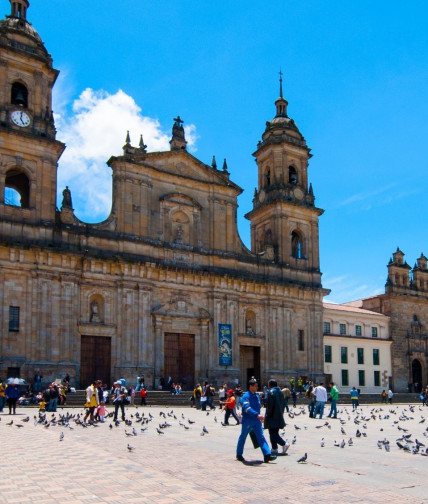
(95, 130)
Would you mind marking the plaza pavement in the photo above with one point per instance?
(93, 465)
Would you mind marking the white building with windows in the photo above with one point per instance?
(357, 348)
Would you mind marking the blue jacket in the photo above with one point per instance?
(12, 391)
(251, 406)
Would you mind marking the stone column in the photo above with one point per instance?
(159, 348)
(201, 346)
(287, 338)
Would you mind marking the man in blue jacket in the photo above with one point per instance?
(252, 421)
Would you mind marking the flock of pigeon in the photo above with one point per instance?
(350, 424)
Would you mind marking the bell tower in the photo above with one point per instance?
(284, 219)
(29, 151)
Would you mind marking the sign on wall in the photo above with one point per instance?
(225, 344)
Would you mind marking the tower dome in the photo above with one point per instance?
(17, 34)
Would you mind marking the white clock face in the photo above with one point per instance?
(20, 118)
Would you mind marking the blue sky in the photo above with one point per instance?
(355, 77)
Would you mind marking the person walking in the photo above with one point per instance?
(320, 394)
(53, 397)
(252, 421)
(354, 398)
(390, 396)
(229, 407)
(143, 395)
(197, 394)
(274, 417)
(119, 399)
(287, 394)
(334, 396)
(12, 393)
(208, 393)
(222, 393)
(311, 400)
(92, 402)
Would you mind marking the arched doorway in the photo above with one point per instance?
(417, 375)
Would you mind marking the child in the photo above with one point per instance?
(229, 407)
(143, 394)
(101, 411)
(42, 406)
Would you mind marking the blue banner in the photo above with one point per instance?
(225, 344)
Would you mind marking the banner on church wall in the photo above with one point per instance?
(225, 344)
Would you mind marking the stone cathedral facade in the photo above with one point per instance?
(164, 286)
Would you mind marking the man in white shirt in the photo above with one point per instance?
(320, 394)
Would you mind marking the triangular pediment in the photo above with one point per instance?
(185, 165)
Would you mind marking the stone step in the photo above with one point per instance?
(154, 398)
(164, 398)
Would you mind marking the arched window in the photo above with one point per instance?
(17, 189)
(296, 245)
(292, 175)
(19, 95)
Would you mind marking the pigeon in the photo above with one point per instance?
(342, 430)
(190, 421)
(159, 431)
(205, 430)
(134, 431)
(61, 436)
(10, 423)
(350, 442)
(293, 441)
(130, 448)
(19, 425)
(303, 459)
(342, 444)
(322, 443)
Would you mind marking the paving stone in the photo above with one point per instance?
(93, 465)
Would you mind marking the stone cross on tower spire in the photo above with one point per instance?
(281, 103)
(178, 141)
